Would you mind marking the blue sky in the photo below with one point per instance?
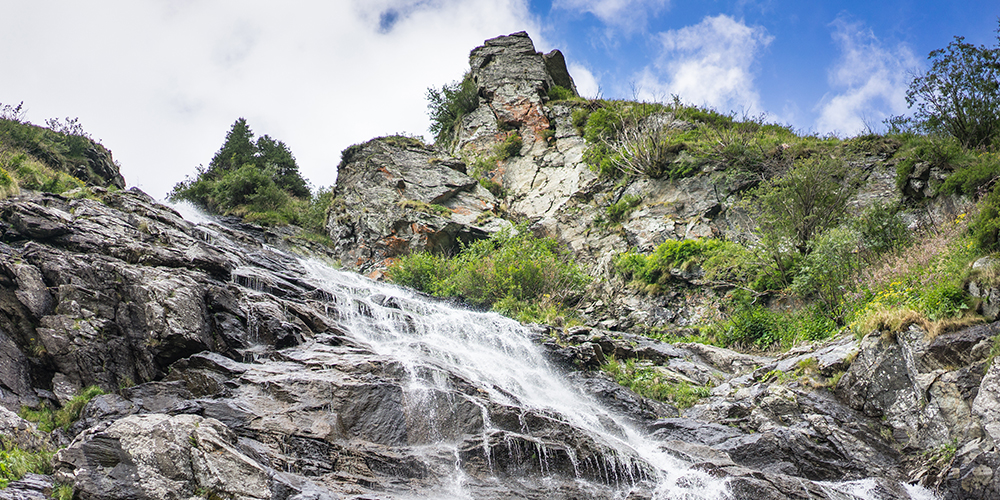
(161, 81)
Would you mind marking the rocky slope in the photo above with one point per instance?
(233, 372)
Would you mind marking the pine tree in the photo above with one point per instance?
(238, 150)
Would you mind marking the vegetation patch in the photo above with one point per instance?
(512, 272)
(16, 462)
(49, 419)
(655, 268)
(618, 211)
(446, 107)
(427, 208)
(646, 380)
(257, 180)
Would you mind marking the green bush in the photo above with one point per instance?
(828, 267)
(48, 420)
(559, 93)
(645, 380)
(15, 462)
(940, 151)
(512, 272)
(447, 105)
(511, 146)
(985, 228)
(655, 268)
(619, 210)
(756, 326)
(978, 173)
(881, 229)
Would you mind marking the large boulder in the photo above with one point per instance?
(396, 195)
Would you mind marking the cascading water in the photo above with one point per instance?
(437, 344)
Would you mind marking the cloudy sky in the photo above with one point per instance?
(160, 82)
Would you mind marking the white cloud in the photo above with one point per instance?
(161, 82)
(709, 63)
(871, 77)
(586, 82)
(628, 15)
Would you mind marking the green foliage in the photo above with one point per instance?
(427, 208)
(810, 198)
(266, 154)
(62, 492)
(633, 138)
(973, 177)
(492, 186)
(266, 188)
(881, 229)
(731, 262)
(512, 272)
(985, 228)
(15, 462)
(647, 381)
(48, 420)
(940, 151)
(756, 326)
(447, 105)
(924, 284)
(59, 153)
(511, 146)
(960, 94)
(830, 264)
(22, 171)
(559, 93)
(655, 268)
(619, 210)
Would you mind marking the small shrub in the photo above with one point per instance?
(656, 267)
(985, 228)
(447, 105)
(16, 462)
(559, 93)
(619, 211)
(827, 269)
(48, 420)
(939, 151)
(969, 180)
(493, 187)
(427, 208)
(512, 272)
(511, 146)
(881, 229)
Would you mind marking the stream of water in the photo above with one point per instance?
(434, 340)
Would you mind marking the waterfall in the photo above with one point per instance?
(436, 342)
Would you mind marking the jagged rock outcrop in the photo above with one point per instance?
(938, 407)
(396, 195)
(513, 82)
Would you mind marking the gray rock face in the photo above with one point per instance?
(936, 404)
(513, 82)
(395, 196)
